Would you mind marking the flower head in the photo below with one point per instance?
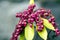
(40, 17)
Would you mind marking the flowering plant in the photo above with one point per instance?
(41, 17)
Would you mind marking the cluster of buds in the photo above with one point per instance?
(29, 16)
(52, 21)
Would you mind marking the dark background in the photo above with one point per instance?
(8, 21)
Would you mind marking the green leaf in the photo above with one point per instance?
(29, 32)
(31, 2)
(48, 24)
(21, 37)
(43, 34)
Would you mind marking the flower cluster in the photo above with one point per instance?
(29, 16)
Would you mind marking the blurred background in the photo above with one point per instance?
(8, 9)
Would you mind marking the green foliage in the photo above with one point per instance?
(47, 24)
(22, 36)
(43, 34)
(29, 32)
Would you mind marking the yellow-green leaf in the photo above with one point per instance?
(29, 32)
(48, 24)
(31, 1)
(21, 37)
(43, 34)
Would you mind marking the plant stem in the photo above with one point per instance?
(48, 35)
